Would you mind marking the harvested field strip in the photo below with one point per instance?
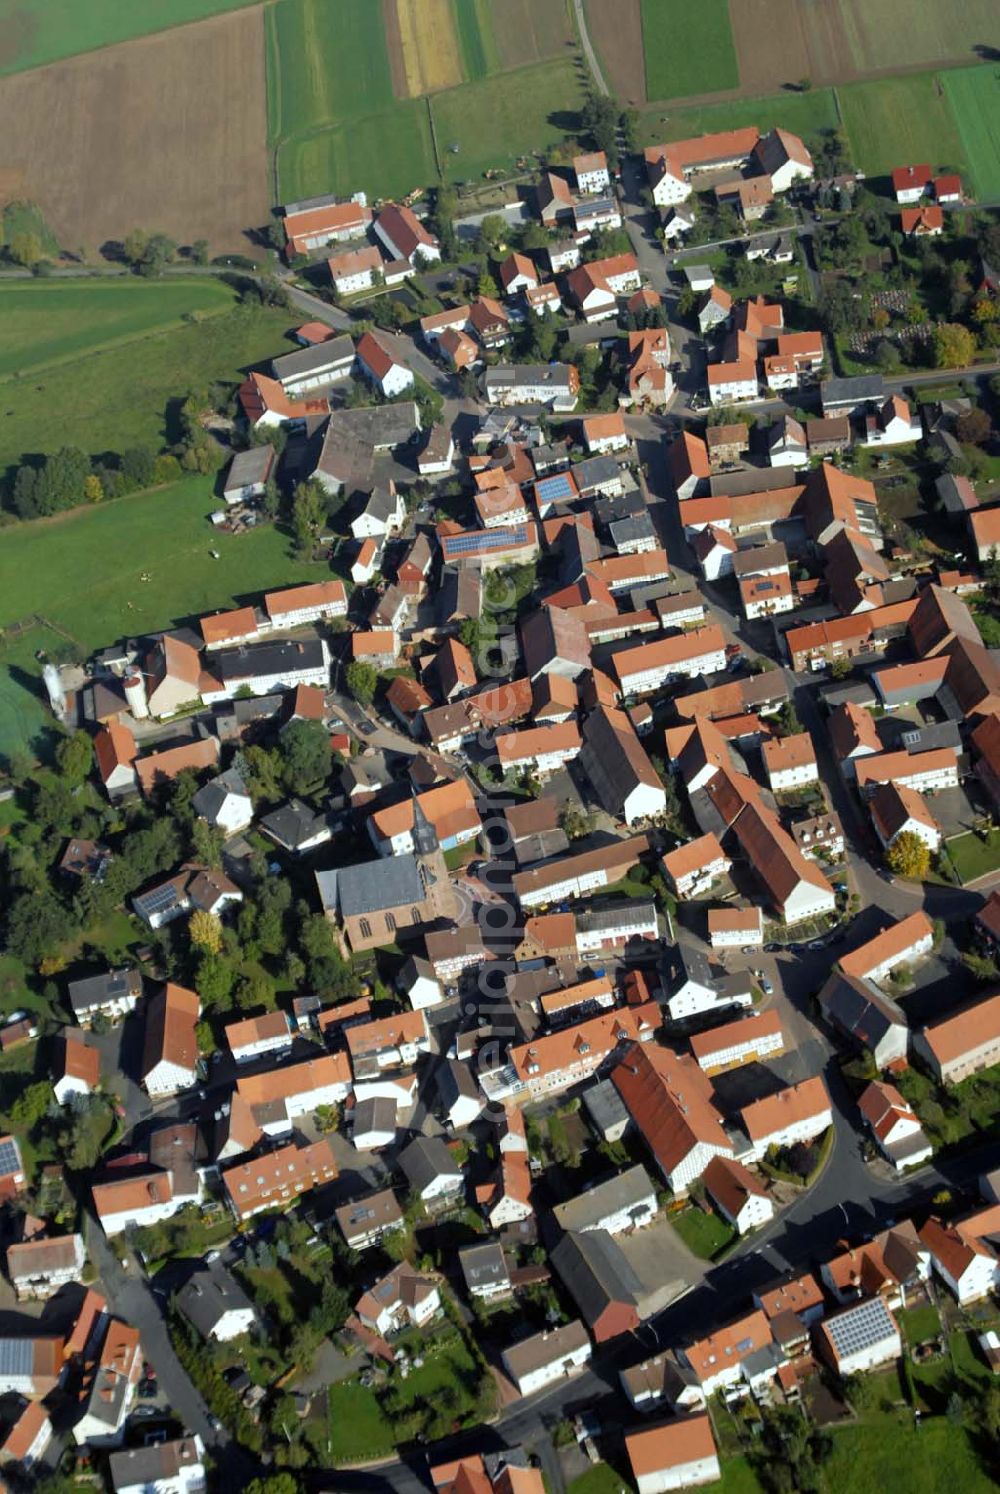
(48, 323)
(430, 45)
(36, 32)
(974, 96)
(689, 48)
(529, 31)
(331, 64)
(387, 155)
(805, 114)
(498, 120)
(474, 25)
(898, 34)
(615, 30)
(895, 120)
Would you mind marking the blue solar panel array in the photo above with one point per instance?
(10, 1157)
(552, 489)
(485, 539)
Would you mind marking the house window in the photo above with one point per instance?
(366, 929)
(415, 914)
(390, 922)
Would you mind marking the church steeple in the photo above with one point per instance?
(425, 841)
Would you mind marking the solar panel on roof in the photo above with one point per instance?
(16, 1357)
(159, 899)
(559, 486)
(10, 1157)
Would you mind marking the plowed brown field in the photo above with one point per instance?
(168, 133)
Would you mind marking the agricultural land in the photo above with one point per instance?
(34, 32)
(688, 48)
(176, 137)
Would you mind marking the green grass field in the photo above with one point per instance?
(898, 120)
(973, 857)
(82, 572)
(805, 114)
(974, 96)
(498, 119)
(703, 1234)
(326, 64)
(386, 154)
(689, 48)
(47, 322)
(897, 33)
(886, 1452)
(476, 37)
(33, 32)
(109, 400)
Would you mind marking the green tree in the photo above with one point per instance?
(206, 844)
(362, 681)
(909, 856)
(74, 756)
(308, 515)
(25, 248)
(138, 467)
(205, 932)
(215, 980)
(601, 115)
(199, 251)
(260, 769)
(305, 747)
(954, 345)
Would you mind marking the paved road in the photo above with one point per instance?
(130, 1298)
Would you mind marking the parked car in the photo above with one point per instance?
(766, 986)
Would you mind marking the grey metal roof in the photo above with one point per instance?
(293, 824)
(95, 990)
(595, 471)
(371, 887)
(209, 1295)
(634, 527)
(625, 1191)
(146, 1467)
(17, 1356)
(426, 1159)
(249, 467)
(484, 1265)
(332, 354)
(595, 1272)
(605, 1106)
(256, 660)
(522, 375)
(633, 911)
(854, 391)
(858, 1009)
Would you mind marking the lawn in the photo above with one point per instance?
(688, 48)
(81, 571)
(326, 64)
(886, 1451)
(47, 322)
(120, 397)
(974, 857)
(601, 1479)
(358, 1430)
(919, 1323)
(974, 96)
(39, 31)
(897, 120)
(385, 155)
(496, 120)
(705, 1235)
(806, 114)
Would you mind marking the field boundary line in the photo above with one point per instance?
(434, 138)
(174, 325)
(835, 91)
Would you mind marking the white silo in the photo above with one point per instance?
(57, 695)
(135, 694)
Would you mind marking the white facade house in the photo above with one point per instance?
(790, 762)
(737, 1195)
(961, 1256)
(258, 1037)
(547, 1358)
(28, 1438)
(749, 1040)
(693, 997)
(893, 425)
(693, 867)
(165, 1468)
(792, 1116)
(38, 1268)
(734, 928)
(225, 803)
(591, 172)
(646, 668)
(317, 601)
(901, 943)
(729, 383)
(381, 367)
(678, 1454)
(860, 1339)
(355, 270)
(614, 926)
(268, 667)
(621, 1204)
